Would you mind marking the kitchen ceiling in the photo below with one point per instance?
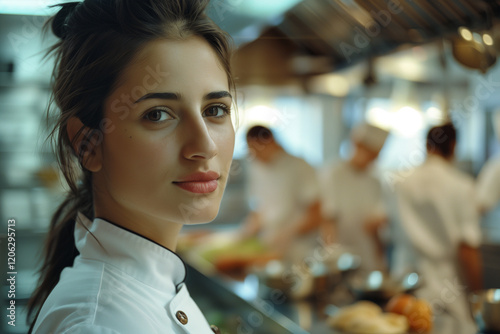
(353, 30)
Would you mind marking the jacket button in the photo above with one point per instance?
(182, 317)
(215, 329)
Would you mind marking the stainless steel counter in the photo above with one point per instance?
(256, 308)
(224, 304)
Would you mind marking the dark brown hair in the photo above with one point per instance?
(260, 133)
(97, 40)
(442, 139)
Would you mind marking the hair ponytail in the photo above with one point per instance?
(59, 249)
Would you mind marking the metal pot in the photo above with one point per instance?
(380, 286)
(486, 309)
(303, 280)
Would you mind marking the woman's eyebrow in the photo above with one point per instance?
(175, 96)
(217, 95)
(163, 96)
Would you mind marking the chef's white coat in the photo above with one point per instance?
(121, 283)
(282, 190)
(437, 211)
(488, 185)
(351, 197)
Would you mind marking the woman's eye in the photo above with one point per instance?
(216, 111)
(157, 115)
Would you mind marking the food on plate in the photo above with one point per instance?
(400, 303)
(420, 318)
(346, 314)
(417, 311)
(365, 317)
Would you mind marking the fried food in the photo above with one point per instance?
(417, 311)
(365, 317)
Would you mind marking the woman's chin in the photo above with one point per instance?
(201, 217)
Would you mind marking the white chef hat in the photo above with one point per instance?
(369, 136)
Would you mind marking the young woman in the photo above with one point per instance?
(145, 141)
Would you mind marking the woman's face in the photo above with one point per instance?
(168, 141)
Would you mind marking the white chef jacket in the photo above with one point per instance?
(121, 283)
(488, 185)
(438, 212)
(282, 190)
(351, 197)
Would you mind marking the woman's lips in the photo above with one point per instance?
(198, 187)
(199, 182)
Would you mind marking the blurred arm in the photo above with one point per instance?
(488, 186)
(470, 259)
(469, 255)
(311, 220)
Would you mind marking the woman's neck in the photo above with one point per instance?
(158, 230)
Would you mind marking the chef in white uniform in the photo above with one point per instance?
(441, 223)
(284, 194)
(145, 141)
(352, 201)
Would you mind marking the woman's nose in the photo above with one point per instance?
(198, 141)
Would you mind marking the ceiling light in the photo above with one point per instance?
(380, 118)
(487, 39)
(408, 121)
(262, 115)
(332, 84)
(465, 33)
(435, 116)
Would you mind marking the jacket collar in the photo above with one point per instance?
(133, 254)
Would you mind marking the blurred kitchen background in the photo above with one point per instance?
(310, 70)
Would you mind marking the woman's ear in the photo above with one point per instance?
(86, 143)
